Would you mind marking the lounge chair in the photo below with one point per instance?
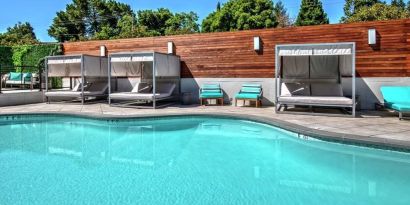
(163, 91)
(97, 89)
(211, 91)
(21, 79)
(397, 98)
(250, 92)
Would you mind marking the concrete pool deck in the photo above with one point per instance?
(370, 127)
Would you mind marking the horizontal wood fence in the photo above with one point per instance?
(231, 54)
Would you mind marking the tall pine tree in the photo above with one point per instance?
(281, 15)
(311, 13)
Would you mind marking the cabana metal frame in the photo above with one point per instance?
(309, 50)
(165, 67)
(89, 67)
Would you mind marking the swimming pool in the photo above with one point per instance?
(52, 159)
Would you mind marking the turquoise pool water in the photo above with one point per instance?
(192, 160)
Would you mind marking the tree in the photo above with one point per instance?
(182, 23)
(154, 21)
(127, 27)
(164, 22)
(399, 4)
(19, 34)
(281, 15)
(311, 13)
(241, 15)
(378, 12)
(85, 19)
(352, 6)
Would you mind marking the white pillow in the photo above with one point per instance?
(77, 87)
(295, 89)
(142, 88)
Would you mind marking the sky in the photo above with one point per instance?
(40, 13)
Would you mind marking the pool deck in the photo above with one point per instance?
(371, 127)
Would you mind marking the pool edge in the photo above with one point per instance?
(350, 139)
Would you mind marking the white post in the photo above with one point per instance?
(109, 80)
(154, 86)
(276, 78)
(46, 76)
(354, 79)
(82, 79)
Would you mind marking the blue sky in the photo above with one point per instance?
(41, 12)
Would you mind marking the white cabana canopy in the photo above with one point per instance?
(77, 66)
(315, 50)
(141, 64)
(314, 64)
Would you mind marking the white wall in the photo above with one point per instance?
(21, 98)
(368, 89)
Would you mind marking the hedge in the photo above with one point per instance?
(6, 54)
(27, 55)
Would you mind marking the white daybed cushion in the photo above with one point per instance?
(315, 100)
(77, 87)
(327, 89)
(18, 82)
(63, 94)
(295, 89)
(72, 93)
(167, 88)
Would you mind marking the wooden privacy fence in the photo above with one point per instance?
(231, 54)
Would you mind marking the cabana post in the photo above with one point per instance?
(143, 79)
(89, 71)
(311, 75)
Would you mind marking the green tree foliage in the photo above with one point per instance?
(163, 22)
(351, 7)
(281, 15)
(182, 23)
(154, 21)
(109, 19)
(6, 53)
(19, 34)
(311, 13)
(241, 15)
(88, 19)
(399, 4)
(378, 12)
(28, 55)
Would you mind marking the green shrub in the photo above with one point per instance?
(6, 54)
(28, 55)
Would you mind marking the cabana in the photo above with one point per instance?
(88, 77)
(311, 75)
(142, 79)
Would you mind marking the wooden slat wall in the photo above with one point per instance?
(230, 54)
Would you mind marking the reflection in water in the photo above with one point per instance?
(189, 161)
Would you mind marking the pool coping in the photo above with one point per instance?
(302, 131)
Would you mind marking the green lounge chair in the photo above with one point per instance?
(397, 98)
(211, 91)
(21, 79)
(250, 92)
